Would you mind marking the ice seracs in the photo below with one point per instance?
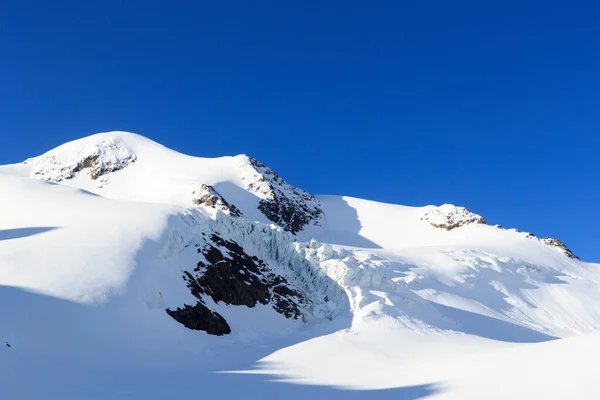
(449, 217)
(227, 274)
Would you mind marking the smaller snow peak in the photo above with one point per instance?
(449, 217)
(285, 205)
(207, 196)
(98, 154)
(560, 245)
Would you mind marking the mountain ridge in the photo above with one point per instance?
(179, 255)
(107, 152)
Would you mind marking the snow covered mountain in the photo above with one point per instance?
(122, 260)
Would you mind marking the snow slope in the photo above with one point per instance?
(54, 239)
(380, 365)
(336, 296)
(126, 166)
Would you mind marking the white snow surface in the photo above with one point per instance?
(92, 255)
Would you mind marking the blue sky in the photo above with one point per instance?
(494, 107)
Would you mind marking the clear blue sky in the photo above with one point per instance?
(494, 107)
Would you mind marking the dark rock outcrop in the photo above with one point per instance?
(283, 204)
(200, 318)
(231, 276)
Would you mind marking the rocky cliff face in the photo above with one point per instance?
(227, 274)
(283, 204)
(450, 217)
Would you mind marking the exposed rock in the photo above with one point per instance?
(106, 154)
(449, 217)
(553, 242)
(206, 195)
(283, 204)
(238, 279)
(231, 276)
(557, 243)
(526, 235)
(200, 318)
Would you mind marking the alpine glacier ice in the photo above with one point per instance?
(120, 260)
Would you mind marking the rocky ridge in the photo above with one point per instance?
(102, 154)
(560, 245)
(450, 217)
(548, 241)
(283, 204)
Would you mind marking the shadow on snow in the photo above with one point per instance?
(17, 233)
(74, 351)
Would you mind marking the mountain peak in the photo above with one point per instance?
(98, 154)
(241, 184)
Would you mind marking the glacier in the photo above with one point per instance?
(99, 238)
